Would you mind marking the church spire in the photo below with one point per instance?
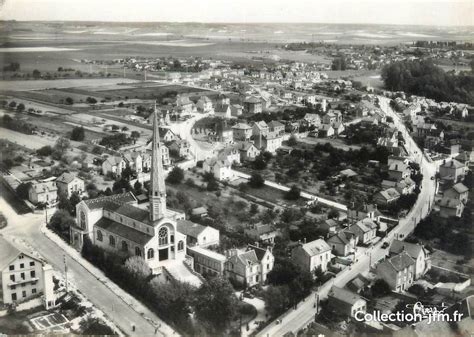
(157, 187)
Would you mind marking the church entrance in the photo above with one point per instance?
(163, 254)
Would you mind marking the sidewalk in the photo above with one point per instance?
(133, 303)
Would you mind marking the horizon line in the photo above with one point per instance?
(241, 22)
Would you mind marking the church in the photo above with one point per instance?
(116, 223)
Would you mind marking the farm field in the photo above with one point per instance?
(26, 85)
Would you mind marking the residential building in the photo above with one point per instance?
(312, 120)
(45, 192)
(271, 142)
(221, 169)
(312, 255)
(242, 131)
(253, 105)
(398, 171)
(264, 233)
(452, 170)
(345, 302)
(204, 104)
(403, 186)
(332, 117)
(24, 276)
(450, 207)
(224, 133)
(69, 183)
(207, 262)
(342, 243)
(398, 271)
(113, 165)
(458, 191)
(236, 110)
(223, 111)
(387, 196)
(198, 235)
(181, 147)
(222, 99)
(365, 230)
(231, 154)
(417, 252)
(260, 129)
(248, 151)
(277, 128)
(249, 267)
(361, 211)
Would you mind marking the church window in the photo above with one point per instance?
(150, 254)
(124, 246)
(112, 241)
(99, 236)
(163, 236)
(138, 251)
(180, 245)
(172, 238)
(82, 220)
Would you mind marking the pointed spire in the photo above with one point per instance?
(157, 187)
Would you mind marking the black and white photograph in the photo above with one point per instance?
(237, 168)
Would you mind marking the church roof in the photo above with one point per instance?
(111, 202)
(134, 213)
(123, 231)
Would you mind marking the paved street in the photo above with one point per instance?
(294, 320)
(27, 228)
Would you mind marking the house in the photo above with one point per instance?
(199, 212)
(253, 105)
(260, 129)
(332, 117)
(206, 261)
(134, 161)
(398, 171)
(348, 173)
(365, 230)
(387, 196)
(392, 159)
(398, 271)
(242, 131)
(345, 302)
(452, 170)
(417, 252)
(223, 111)
(276, 127)
(24, 276)
(262, 232)
(249, 267)
(248, 151)
(198, 235)
(312, 120)
(167, 135)
(113, 165)
(450, 207)
(362, 211)
(326, 130)
(312, 255)
(224, 133)
(342, 243)
(329, 226)
(222, 99)
(231, 154)
(45, 192)
(270, 143)
(69, 183)
(204, 104)
(181, 147)
(403, 186)
(184, 105)
(236, 110)
(221, 169)
(457, 191)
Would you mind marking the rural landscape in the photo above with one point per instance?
(236, 179)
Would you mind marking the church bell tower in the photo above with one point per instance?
(157, 187)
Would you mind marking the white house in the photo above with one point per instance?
(312, 255)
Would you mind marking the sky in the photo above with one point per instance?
(415, 12)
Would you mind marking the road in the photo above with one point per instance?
(27, 228)
(294, 320)
(311, 197)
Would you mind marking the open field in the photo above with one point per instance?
(28, 85)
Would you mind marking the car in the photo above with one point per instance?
(385, 245)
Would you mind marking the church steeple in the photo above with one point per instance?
(157, 187)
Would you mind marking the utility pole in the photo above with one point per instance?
(65, 273)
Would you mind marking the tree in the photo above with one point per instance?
(293, 193)
(36, 74)
(91, 100)
(69, 101)
(256, 181)
(78, 134)
(259, 163)
(44, 151)
(12, 104)
(215, 304)
(380, 288)
(176, 176)
(137, 267)
(61, 221)
(292, 141)
(135, 135)
(22, 190)
(20, 107)
(62, 144)
(212, 185)
(276, 300)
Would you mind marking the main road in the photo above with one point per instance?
(296, 319)
(27, 230)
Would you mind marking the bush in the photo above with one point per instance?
(256, 181)
(293, 193)
(176, 176)
(78, 134)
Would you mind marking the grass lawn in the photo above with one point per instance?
(17, 323)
